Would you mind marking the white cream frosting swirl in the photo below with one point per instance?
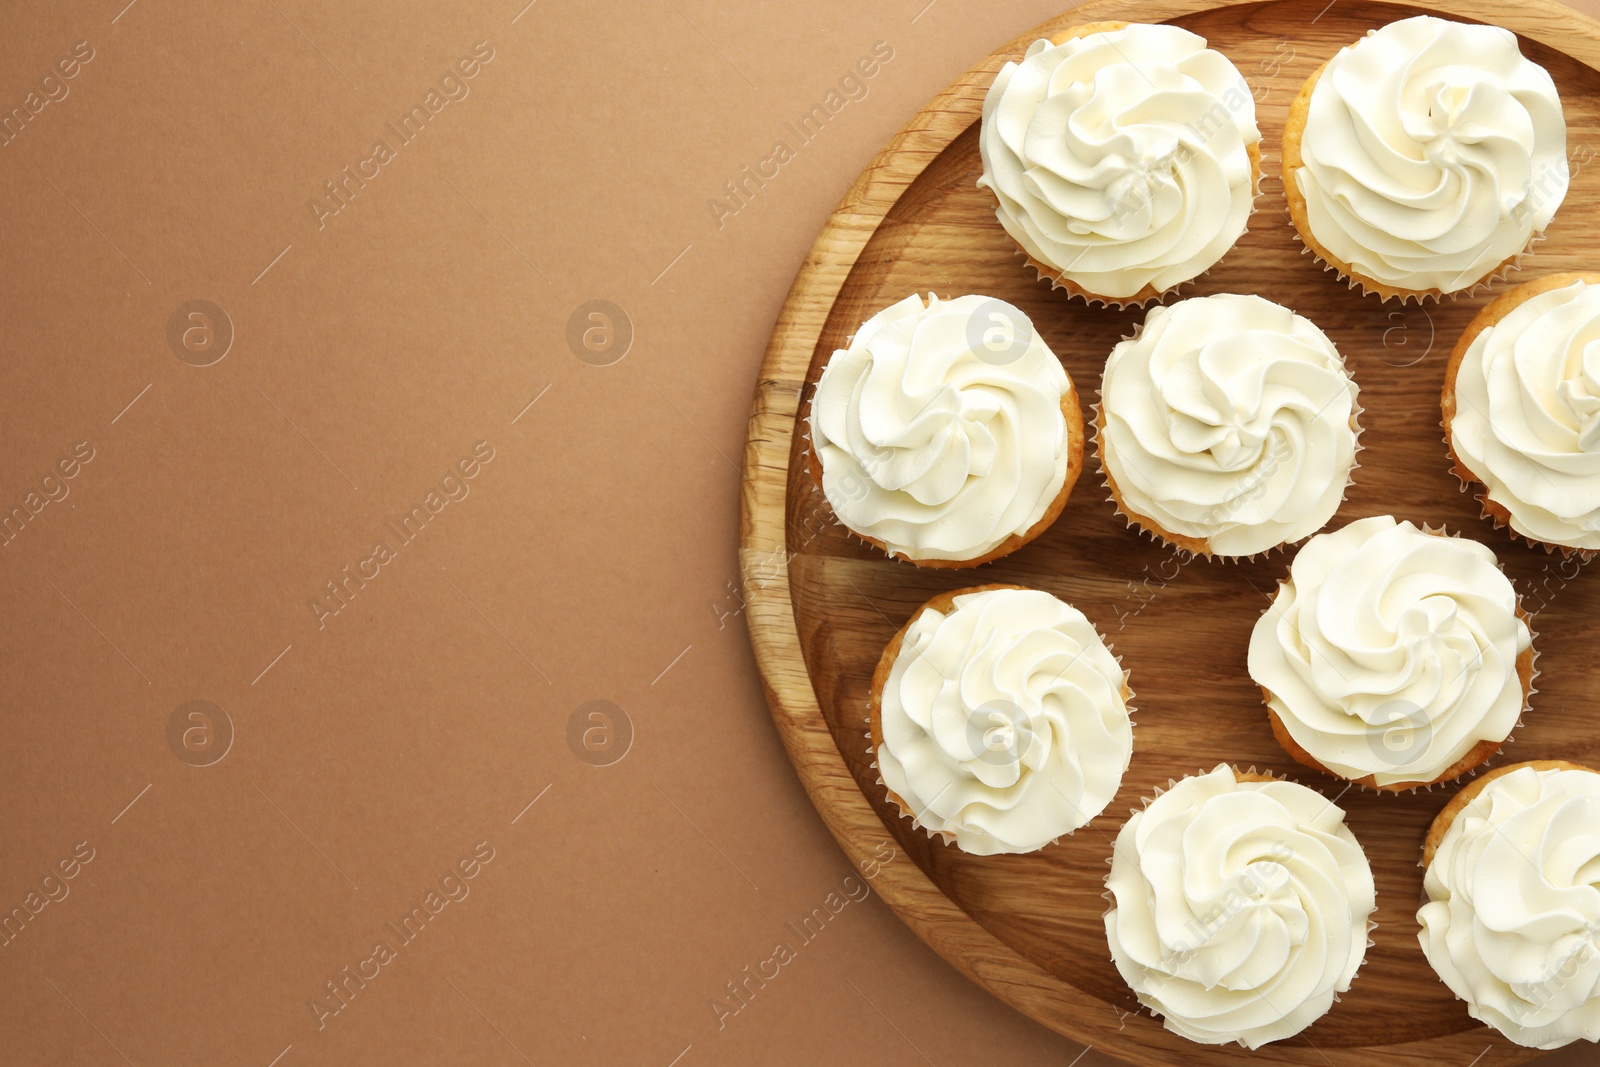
(1121, 158)
(1512, 922)
(939, 429)
(1527, 420)
(1392, 652)
(1229, 419)
(1004, 721)
(1433, 151)
(1239, 908)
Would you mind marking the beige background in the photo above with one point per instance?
(592, 558)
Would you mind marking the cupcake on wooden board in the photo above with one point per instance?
(1425, 158)
(1521, 407)
(1512, 919)
(947, 433)
(1241, 906)
(1227, 425)
(1393, 657)
(1000, 719)
(1124, 158)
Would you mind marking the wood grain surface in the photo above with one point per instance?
(822, 605)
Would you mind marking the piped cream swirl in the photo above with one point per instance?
(1121, 158)
(1527, 419)
(1240, 908)
(940, 430)
(1512, 923)
(1229, 419)
(1004, 721)
(1433, 151)
(1392, 652)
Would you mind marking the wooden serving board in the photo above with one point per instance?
(822, 605)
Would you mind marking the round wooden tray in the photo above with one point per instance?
(822, 605)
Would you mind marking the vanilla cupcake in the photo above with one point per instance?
(1123, 157)
(1425, 158)
(1512, 920)
(947, 433)
(1393, 657)
(1227, 425)
(1000, 719)
(1240, 907)
(1521, 409)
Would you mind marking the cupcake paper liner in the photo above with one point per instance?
(1076, 291)
(1495, 277)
